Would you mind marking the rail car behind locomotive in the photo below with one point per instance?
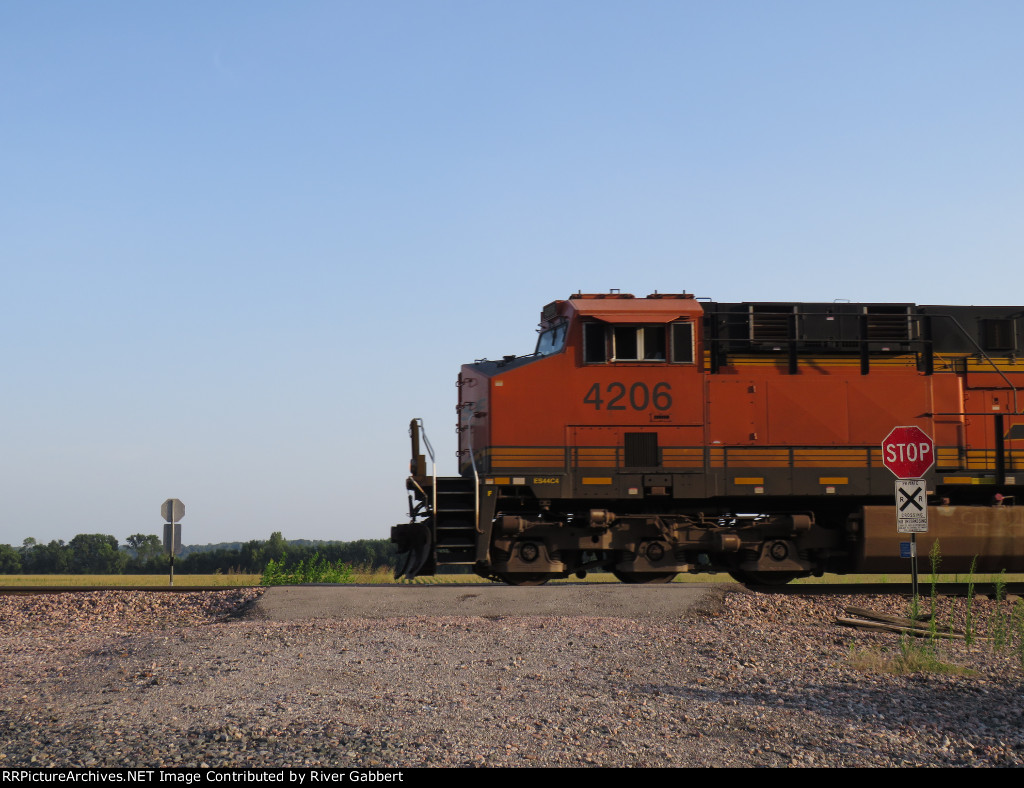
(666, 434)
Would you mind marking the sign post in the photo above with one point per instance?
(172, 510)
(909, 452)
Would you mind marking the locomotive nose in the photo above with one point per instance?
(413, 543)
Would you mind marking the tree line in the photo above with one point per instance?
(101, 554)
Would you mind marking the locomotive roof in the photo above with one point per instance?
(624, 308)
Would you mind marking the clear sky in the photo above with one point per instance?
(244, 242)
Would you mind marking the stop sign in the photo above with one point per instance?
(908, 452)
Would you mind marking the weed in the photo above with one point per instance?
(309, 570)
(969, 624)
(916, 654)
(997, 626)
(911, 658)
(934, 558)
(1017, 626)
(915, 607)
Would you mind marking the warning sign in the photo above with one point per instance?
(911, 506)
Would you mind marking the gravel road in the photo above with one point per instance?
(730, 677)
(614, 600)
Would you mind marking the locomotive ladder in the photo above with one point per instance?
(454, 521)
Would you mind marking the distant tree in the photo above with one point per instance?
(275, 547)
(371, 553)
(250, 555)
(51, 558)
(96, 554)
(100, 554)
(147, 549)
(10, 560)
(210, 561)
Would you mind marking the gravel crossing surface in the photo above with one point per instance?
(130, 678)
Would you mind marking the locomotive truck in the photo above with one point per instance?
(652, 436)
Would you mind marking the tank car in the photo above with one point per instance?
(666, 434)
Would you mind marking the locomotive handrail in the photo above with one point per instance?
(418, 430)
(984, 355)
(426, 441)
(472, 461)
(782, 333)
(792, 342)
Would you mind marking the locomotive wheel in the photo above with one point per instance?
(644, 577)
(525, 578)
(763, 578)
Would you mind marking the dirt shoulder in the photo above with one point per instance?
(731, 679)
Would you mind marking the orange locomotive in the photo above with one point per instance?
(658, 435)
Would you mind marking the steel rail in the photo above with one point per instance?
(12, 590)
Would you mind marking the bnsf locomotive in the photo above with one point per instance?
(666, 434)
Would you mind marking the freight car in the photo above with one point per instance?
(666, 434)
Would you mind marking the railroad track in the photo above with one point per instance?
(9, 590)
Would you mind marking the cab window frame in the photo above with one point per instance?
(683, 349)
(560, 332)
(662, 343)
(605, 343)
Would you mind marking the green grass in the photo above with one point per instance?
(922, 654)
(310, 570)
(906, 659)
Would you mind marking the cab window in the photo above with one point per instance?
(595, 346)
(682, 343)
(603, 342)
(552, 340)
(638, 343)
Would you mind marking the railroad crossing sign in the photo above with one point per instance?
(911, 506)
(908, 452)
(172, 510)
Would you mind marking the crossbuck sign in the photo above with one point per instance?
(911, 506)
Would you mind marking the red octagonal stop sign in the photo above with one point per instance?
(908, 452)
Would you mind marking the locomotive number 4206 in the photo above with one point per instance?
(617, 396)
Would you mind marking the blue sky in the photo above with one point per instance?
(243, 243)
